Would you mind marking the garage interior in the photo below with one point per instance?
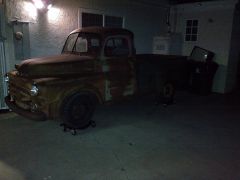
(197, 137)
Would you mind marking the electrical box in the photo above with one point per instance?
(21, 40)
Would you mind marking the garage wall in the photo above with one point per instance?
(146, 21)
(48, 30)
(234, 53)
(215, 28)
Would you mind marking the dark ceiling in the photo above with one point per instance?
(186, 1)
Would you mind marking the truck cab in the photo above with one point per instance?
(96, 66)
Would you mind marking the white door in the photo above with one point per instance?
(3, 85)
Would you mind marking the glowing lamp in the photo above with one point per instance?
(49, 6)
(42, 4)
(38, 4)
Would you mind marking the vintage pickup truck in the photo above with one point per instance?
(97, 65)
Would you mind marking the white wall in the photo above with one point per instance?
(47, 34)
(234, 53)
(215, 28)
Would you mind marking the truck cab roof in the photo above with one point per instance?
(104, 31)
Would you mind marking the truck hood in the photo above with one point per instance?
(55, 66)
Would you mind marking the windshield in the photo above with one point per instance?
(83, 44)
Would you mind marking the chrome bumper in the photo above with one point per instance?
(38, 116)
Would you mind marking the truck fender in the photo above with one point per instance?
(92, 92)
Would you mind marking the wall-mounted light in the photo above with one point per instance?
(42, 4)
(49, 6)
(30, 10)
(53, 14)
(38, 4)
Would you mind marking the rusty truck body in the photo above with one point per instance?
(97, 65)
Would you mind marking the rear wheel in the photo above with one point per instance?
(77, 110)
(167, 93)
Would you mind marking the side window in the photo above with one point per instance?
(95, 43)
(191, 34)
(90, 19)
(118, 46)
(94, 46)
(101, 20)
(70, 42)
(113, 21)
(81, 45)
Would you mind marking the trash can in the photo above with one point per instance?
(202, 70)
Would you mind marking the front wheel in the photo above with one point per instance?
(77, 110)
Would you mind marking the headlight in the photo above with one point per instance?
(34, 90)
(6, 78)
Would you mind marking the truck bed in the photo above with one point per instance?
(154, 70)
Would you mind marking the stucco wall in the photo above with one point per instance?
(47, 34)
(215, 28)
(234, 53)
(19, 10)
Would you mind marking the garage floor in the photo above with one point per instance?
(196, 138)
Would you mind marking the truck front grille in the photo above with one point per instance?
(23, 104)
(19, 91)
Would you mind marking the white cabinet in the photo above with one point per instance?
(168, 44)
(161, 45)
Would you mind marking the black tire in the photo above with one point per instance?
(77, 110)
(167, 93)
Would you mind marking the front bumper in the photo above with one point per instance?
(38, 116)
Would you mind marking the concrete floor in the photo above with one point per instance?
(196, 138)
